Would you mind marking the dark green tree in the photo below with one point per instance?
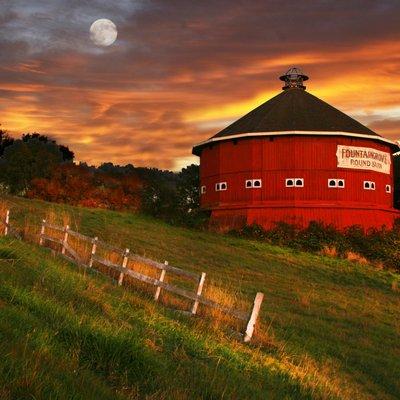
(67, 154)
(188, 189)
(5, 141)
(25, 160)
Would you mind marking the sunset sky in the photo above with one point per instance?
(181, 70)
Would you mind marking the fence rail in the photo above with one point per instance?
(68, 252)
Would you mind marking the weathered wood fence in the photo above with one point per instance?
(196, 297)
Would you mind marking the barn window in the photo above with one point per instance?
(221, 186)
(332, 183)
(257, 183)
(336, 183)
(388, 189)
(202, 189)
(368, 185)
(289, 182)
(253, 183)
(299, 182)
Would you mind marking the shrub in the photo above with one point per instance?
(381, 246)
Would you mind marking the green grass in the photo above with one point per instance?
(329, 328)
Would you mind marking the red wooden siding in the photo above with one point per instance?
(275, 159)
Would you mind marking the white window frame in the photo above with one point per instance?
(336, 185)
(218, 187)
(252, 183)
(372, 185)
(299, 179)
(388, 188)
(289, 179)
(203, 189)
(294, 182)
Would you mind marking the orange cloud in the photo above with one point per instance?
(178, 73)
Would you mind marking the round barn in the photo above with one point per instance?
(297, 159)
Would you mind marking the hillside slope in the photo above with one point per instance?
(329, 328)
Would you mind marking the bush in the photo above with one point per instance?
(376, 245)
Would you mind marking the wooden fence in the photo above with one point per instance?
(66, 250)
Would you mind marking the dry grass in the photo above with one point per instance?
(220, 292)
(330, 251)
(227, 295)
(305, 299)
(355, 257)
(395, 286)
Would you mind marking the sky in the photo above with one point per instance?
(181, 70)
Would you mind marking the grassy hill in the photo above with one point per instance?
(329, 329)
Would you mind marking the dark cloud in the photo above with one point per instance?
(140, 99)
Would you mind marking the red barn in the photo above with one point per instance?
(297, 159)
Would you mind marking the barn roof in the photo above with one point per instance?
(293, 110)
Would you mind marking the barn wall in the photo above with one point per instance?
(273, 159)
(226, 219)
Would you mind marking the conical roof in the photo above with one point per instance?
(293, 111)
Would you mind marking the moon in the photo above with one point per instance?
(103, 32)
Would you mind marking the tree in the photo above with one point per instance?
(25, 160)
(188, 189)
(5, 141)
(67, 154)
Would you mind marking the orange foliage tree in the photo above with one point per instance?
(89, 187)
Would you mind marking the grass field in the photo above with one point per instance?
(330, 329)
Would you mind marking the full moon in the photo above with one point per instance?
(103, 32)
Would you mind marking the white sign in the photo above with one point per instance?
(363, 158)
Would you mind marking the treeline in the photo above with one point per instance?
(36, 166)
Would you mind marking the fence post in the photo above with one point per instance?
(93, 252)
(161, 279)
(199, 290)
(42, 232)
(7, 222)
(253, 317)
(124, 264)
(65, 239)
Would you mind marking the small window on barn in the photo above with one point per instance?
(368, 185)
(223, 186)
(336, 183)
(249, 183)
(217, 187)
(289, 182)
(388, 189)
(202, 189)
(257, 183)
(332, 183)
(299, 182)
